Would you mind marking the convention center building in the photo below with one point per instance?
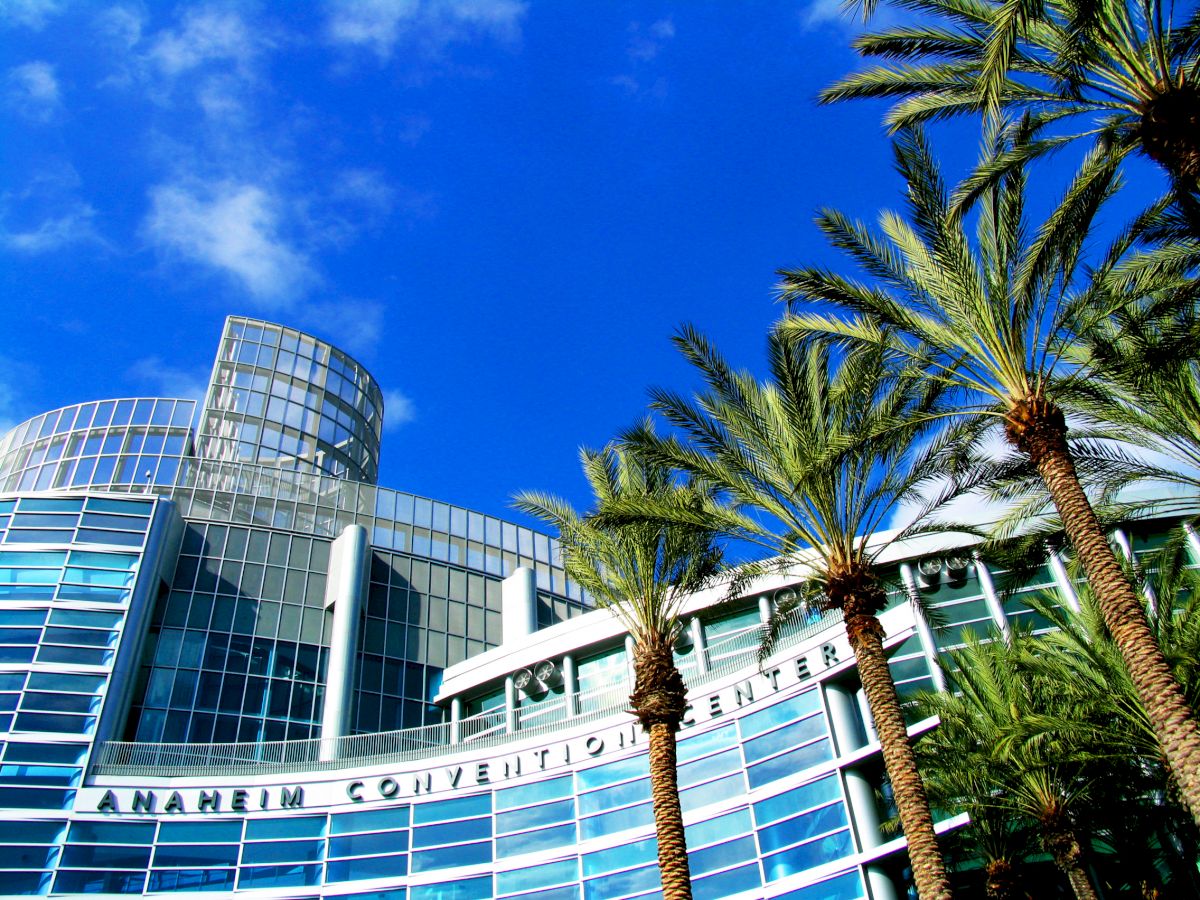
(230, 663)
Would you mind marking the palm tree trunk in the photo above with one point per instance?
(659, 700)
(1064, 846)
(1000, 880)
(1043, 437)
(866, 639)
(668, 816)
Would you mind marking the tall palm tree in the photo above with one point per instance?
(805, 464)
(1125, 73)
(642, 572)
(993, 318)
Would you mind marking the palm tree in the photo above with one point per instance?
(993, 319)
(804, 464)
(1124, 73)
(642, 572)
(1009, 748)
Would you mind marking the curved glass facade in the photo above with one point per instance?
(283, 398)
(133, 442)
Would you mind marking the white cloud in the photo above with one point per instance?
(398, 409)
(234, 228)
(74, 226)
(32, 90)
(379, 25)
(168, 381)
(205, 35)
(355, 326)
(645, 42)
(29, 13)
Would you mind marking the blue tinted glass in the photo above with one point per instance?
(283, 851)
(98, 577)
(570, 892)
(364, 844)
(710, 767)
(128, 507)
(461, 855)
(40, 832)
(464, 830)
(537, 792)
(40, 775)
(535, 877)
(847, 886)
(24, 856)
(712, 792)
(619, 795)
(16, 654)
(199, 832)
(531, 841)
(466, 889)
(47, 504)
(196, 855)
(726, 884)
(719, 829)
(58, 681)
(367, 867)
(12, 681)
(721, 856)
(82, 655)
(102, 855)
(623, 884)
(393, 894)
(371, 820)
(24, 882)
(51, 558)
(805, 856)
(84, 882)
(71, 754)
(622, 770)
(107, 520)
(35, 798)
(459, 808)
(126, 562)
(789, 736)
(812, 794)
(621, 857)
(38, 536)
(289, 827)
(192, 880)
(26, 592)
(789, 763)
(279, 876)
(692, 746)
(764, 720)
(618, 820)
(24, 575)
(533, 816)
(801, 828)
(111, 833)
(120, 538)
(91, 594)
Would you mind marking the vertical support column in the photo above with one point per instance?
(864, 811)
(345, 590)
(1121, 539)
(699, 645)
(510, 705)
(764, 609)
(1193, 541)
(630, 678)
(991, 598)
(518, 605)
(456, 720)
(1059, 568)
(924, 632)
(570, 686)
(845, 720)
(880, 885)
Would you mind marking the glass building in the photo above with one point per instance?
(231, 663)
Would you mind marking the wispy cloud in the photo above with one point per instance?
(398, 409)
(32, 90)
(48, 213)
(13, 374)
(234, 228)
(205, 36)
(426, 25)
(354, 325)
(29, 13)
(646, 42)
(163, 379)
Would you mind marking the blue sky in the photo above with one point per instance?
(502, 208)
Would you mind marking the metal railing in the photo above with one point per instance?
(484, 730)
